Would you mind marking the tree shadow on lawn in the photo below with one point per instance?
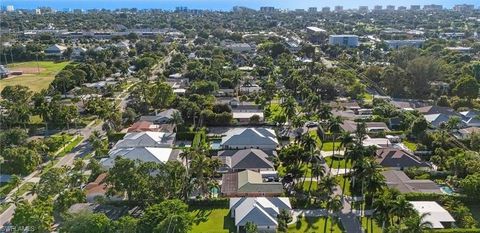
(229, 224)
(310, 223)
(202, 216)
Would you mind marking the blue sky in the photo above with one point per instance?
(220, 4)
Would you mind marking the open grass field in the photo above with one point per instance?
(35, 76)
(337, 162)
(212, 221)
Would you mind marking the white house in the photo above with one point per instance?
(244, 138)
(146, 139)
(437, 215)
(262, 211)
(143, 154)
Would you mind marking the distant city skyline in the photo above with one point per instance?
(224, 5)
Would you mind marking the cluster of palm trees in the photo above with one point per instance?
(200, 172)
(396, 214)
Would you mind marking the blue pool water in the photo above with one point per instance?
(215, 144)
(447, 190)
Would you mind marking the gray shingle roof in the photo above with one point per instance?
(246, 159)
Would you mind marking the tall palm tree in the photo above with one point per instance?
(334, 128)
(334, 205)
(318, 170)
(418, 224)
(176, 119)
(383, 205)
(346, 141)
(289, 106)
(327, 185)
(401, 209)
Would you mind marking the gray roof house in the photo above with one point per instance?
(400, 181)
(146, 139)
(471, 118)
(55, 50)
(161, 117)
(261, 211)
(249, 184)
(243, 138)
(398, 158)
(251, 159)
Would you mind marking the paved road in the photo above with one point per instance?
(67, 160)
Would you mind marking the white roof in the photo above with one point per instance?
(250, 136)
(437, 214)
(245, 115)
(378, 142)
(144, 154)
(262, 211)
(144, 139)
(316, 29)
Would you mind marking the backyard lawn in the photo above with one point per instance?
(35, 76)
(410, 145)
(328, 146)
(338, 163)
(312, 224)
(212, 221)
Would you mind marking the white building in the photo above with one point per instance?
(10, 8)
(344, 40)
(143, 154)
(436, 214)
(262, 211)
(396, 44)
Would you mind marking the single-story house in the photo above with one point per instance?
(243, 138)
(371, 127)
(143, 154)
(146, 139)
(243, 117)
(471, 118)
(146, 126)
(377, 142)
(465, 133)
(262, 211)
(400, 181)
(249, 184)
(437, 215)
(250, 88)
(161, 117)
(55, 50)
(98, 188)
(434, 109)
(247, 159)
(398, 159)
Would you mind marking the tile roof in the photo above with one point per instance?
(392, 157)
(400, 181)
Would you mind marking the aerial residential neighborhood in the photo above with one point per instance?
(220, 118)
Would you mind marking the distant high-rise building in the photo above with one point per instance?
(432, 7)
(415, 7)
(66, 10)
(299, 10)
(38, 11)
(325, 9)
(267, 9)
(77, 11)
(390, 8)
(378, 8)
(402, 8)
(338, 8)
(316, 35)
(10, 8)
(363, 8)
(464, 8)
(343, 40)
(312, 9)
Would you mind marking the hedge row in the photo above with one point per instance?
(437, 196)
(458, 230)
(213, 203)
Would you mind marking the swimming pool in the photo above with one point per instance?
(446, 189)
(215, 144)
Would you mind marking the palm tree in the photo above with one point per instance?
(15, 181)
(327, 185)
(334, 205)
(318, 170)
(289, 106)
(334, 128)
(346, 141)
(176, 119)
(383, 205)
(401, 209)
(325, 112)
(418, 224)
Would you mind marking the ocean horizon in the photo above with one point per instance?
(222, 5)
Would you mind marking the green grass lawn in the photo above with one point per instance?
(33, 78)
(317, 138)
(312, 224)
(328, 146)
(24, 188)
(307, 184)
(337, 162)
(376, 228)
(410, 145)
(344, 182)
(212, 221)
